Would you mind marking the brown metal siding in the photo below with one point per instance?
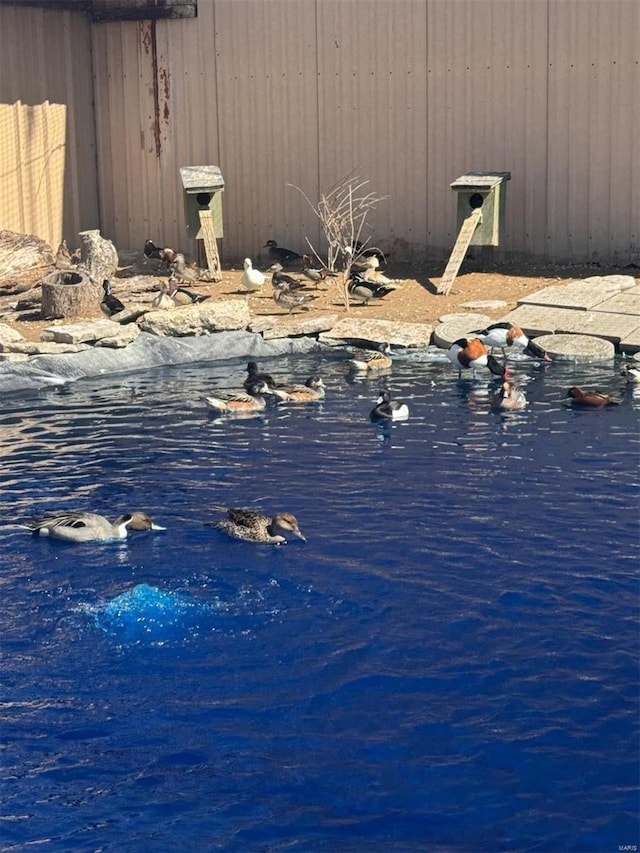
(47, 142)
(409, 94)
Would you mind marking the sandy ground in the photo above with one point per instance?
(417, 300)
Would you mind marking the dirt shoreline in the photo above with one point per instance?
(417, 300)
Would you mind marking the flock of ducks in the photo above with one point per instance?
(365, 283)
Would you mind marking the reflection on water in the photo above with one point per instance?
(449, 661)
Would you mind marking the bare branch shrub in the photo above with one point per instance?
(342, 212)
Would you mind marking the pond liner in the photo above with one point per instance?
(146, 352)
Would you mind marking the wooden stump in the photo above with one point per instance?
(69, 294)
(99, 257)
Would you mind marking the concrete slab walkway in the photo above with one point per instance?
(605, 307)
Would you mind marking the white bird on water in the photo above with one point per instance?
(252, 279)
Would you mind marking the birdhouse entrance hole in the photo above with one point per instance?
(476, 201)
(203, 199)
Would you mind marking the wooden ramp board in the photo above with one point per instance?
(210, 244)
(460, 250)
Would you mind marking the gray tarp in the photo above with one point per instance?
(145, 352)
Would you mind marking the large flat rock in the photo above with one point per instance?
(541, 320)
(349, 329)
(579, 295)
(579, 348)
(459, 326)
(223, 316)
(273, 326)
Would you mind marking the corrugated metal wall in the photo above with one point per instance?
(47, 126)
(409, 94)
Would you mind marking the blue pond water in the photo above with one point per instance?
(450, 663)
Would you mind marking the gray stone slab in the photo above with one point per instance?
(539, 319)
(378, 331)
(626, 302)
(578, 348)
(481, 320)
(484, 304)
(295, 326)
(611, 327)
(630, 343)
(462, 327)
(580, 295)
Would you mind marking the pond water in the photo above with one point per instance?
(449, 663)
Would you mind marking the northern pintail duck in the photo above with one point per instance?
(251, 279)
(312, 391)
(471, 353)
(110, 304)
(280, 254)
(252, 526)
(163, 300)
(288, 299)
(505, 335)
(89, 526)
(510, 397)
(387, 409)
(240, 403)
(591, 399)
(372, 359)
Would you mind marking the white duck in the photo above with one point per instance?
(252, 279)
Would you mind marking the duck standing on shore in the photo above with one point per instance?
(251, 279)
(280, 254)
(289, 299)
(110, 304)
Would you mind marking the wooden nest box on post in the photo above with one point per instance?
(480, 217)
(202, 189)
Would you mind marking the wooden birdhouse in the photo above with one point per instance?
(484, 191)
(202, 189)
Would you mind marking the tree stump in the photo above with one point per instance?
(69, 294)
(99, 257)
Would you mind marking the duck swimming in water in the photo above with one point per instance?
(256, 376)
(591, 399)
(252, 526)
(387, 409)
(372, 359)
(89, 526)
(510, 397)
(312, 391)
(471, 353)
(238, 404)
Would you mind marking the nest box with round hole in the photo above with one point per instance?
(487, 191)
(202, 191)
